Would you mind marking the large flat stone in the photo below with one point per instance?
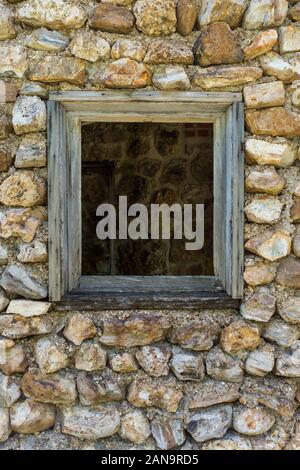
(281, 155)
(54, 69)
(23, 188)
(222, 77)
(264, 95)
(54, 14)
(90, 423)
(137, 330)
(125, 73)
(273, 122)
(169, 52)
(50, 388)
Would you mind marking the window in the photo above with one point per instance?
(153, 147)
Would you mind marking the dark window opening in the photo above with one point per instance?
(148, 163)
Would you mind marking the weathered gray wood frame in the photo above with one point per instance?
(66, 112)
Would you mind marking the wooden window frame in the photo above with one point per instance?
(66, 113)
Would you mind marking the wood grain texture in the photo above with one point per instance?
(67, 111)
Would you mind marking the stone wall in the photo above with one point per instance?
(191, 380)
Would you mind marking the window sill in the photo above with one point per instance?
(87, 301)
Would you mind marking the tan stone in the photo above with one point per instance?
(5, 159)
(21, 223)
(252, 421)
(163, 52)
(196, 335)
(123, 48)
(270, 245)
(7, 30)
(137, 330)
(8, 92)
(53, 14)
(144, 395)
(112, 19)
(31, 152)
(90, 423)
(154, 360)
(289, 39)
(5, 429)
(281, 155)
(95, 390)
(51, 354)
(259, 307)
(88, 46)
(15, 360)
(187, 12)
(221, 77)
(296, 98)
(296, 245)
(30, 417)
(79, 328)
(172, 78)
(5, 126)
(264, 95)
(17, 327)
(217, 45)
(297, 191)
(294, 12)
(288, 274)
(238, 337)
(265, 181)
(262, 43)
(275, 65)
(123, 363)
(55, 388)
(265, 14)
(259, 274)
(264, 210)
(29, 115)
(126, 73)
(273, 122)
(28, 308)
(10, 391)
(229, 11)
(135, 427)
(55, 69)
(155, 19)
(23, 188)
(90, 356)
(295, 211)
(13, 59)
(119, 2)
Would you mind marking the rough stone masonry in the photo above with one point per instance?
(152, 380)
